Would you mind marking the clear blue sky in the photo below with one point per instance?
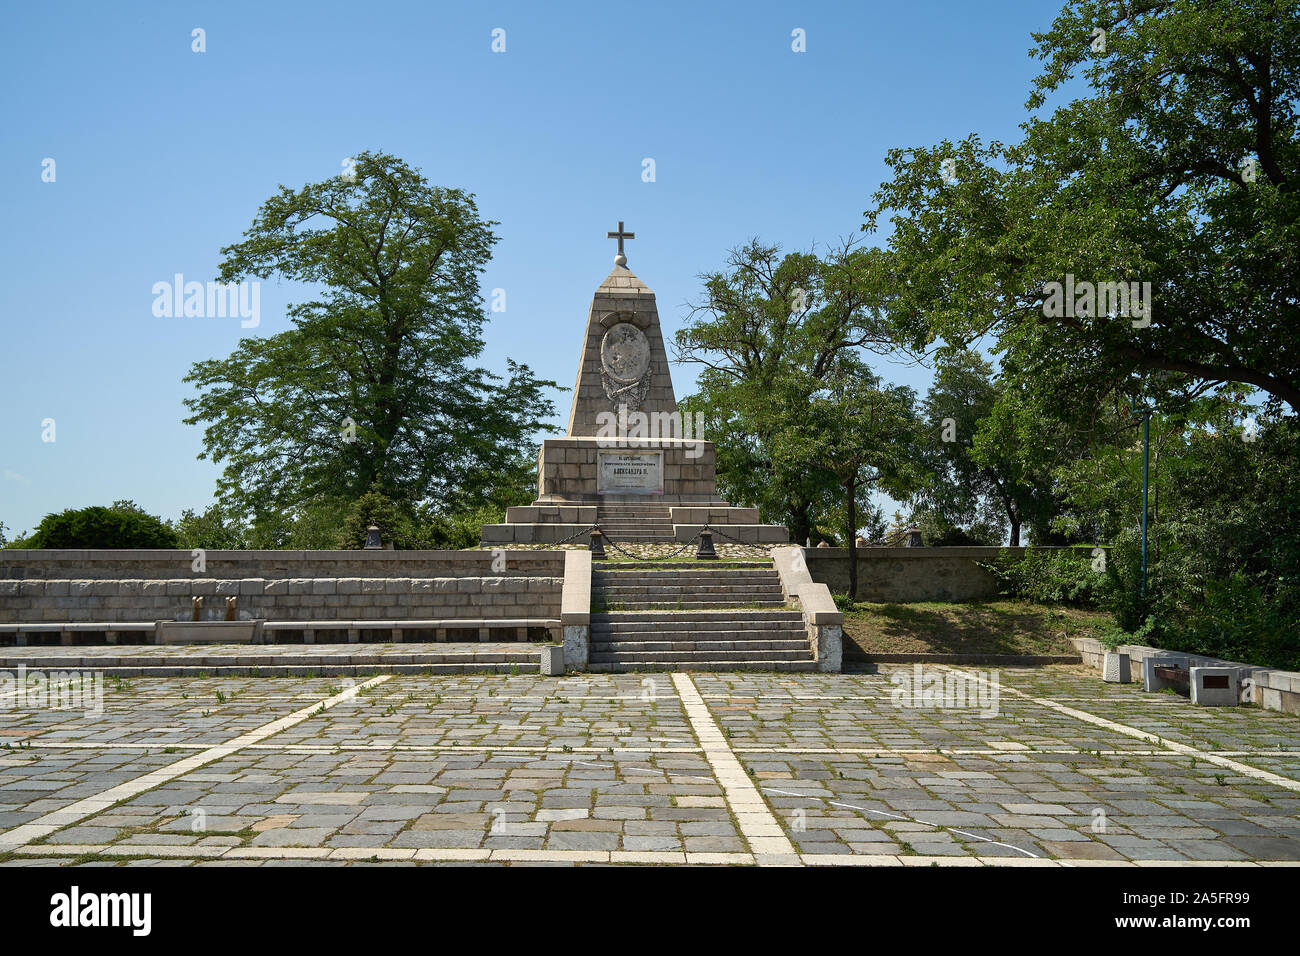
(163, 156)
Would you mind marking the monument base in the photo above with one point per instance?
(659, 469)
(638, 490)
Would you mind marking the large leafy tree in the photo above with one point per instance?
(374, 385)
(767, 334)
(861, 434)
(988, 457)
(1177, 167)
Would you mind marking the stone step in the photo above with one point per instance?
(690, 590)
(689, 572)
(692, 605)
(623, 667)
(687, 587)
(743, 617)
(678, 655)
(721, 631)
(634, 519)
(736, 601)
(796, 644)
(721, 564)
(631, 582)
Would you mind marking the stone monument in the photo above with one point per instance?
(629, 462)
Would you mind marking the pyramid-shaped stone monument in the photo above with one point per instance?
(629, 462)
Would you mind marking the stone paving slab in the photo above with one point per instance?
(617, 769)
(1024, 782)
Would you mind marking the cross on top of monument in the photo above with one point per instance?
(620, 259)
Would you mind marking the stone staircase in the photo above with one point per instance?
(634, 522)
(689, 616)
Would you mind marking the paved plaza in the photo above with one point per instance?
(656, 768)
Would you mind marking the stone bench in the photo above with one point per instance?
(110, 629)
(1206, 686)
(441, 627)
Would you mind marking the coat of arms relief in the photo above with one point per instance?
(625, 365)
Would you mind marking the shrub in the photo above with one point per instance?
(121, 526)
(1048, 577)
(1233, 620)
(844, 603)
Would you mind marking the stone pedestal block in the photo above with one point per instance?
(1115, 668)
(1214, 686)
(577, 647)
(552, 663)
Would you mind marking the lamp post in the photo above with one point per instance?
(1146, 483)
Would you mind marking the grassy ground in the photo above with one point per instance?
(991, 627)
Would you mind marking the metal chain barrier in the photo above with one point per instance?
(886, 542)
(573, 537)
(686, 547)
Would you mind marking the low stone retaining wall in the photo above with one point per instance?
(145, 564)
(907, 575)
(128, 586)
(1268, 687)
(287, 599)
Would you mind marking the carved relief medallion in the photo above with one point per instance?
(625, 365)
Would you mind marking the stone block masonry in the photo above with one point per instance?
(1266, 687)
(147, 564)
(628, 460)
(290, 599)
(48, 587)
(907, 575)
(823, 621)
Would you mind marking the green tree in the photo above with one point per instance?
(1178, 167)
(215, 529)
(768, 332)
(862, 435)
(373, 385)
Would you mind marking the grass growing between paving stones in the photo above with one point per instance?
(991, 627)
